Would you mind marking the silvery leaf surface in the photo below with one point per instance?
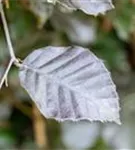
(92, 7)
(70, 83)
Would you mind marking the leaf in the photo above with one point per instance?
(93, 7)
(70, 83)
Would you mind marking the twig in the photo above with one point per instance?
(10, 47)
(6, 30)
(39, 129)
(6, 73)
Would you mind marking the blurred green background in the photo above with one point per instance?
(34, 24)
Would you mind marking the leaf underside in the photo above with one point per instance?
(70, 83)
(93, 7)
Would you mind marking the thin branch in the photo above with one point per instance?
(6, 73)
(10, 47)
(8, 39)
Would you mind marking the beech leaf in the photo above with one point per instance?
(92, 7)
(70, 83)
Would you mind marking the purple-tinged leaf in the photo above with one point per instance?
(92, 7)
(70, 83)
